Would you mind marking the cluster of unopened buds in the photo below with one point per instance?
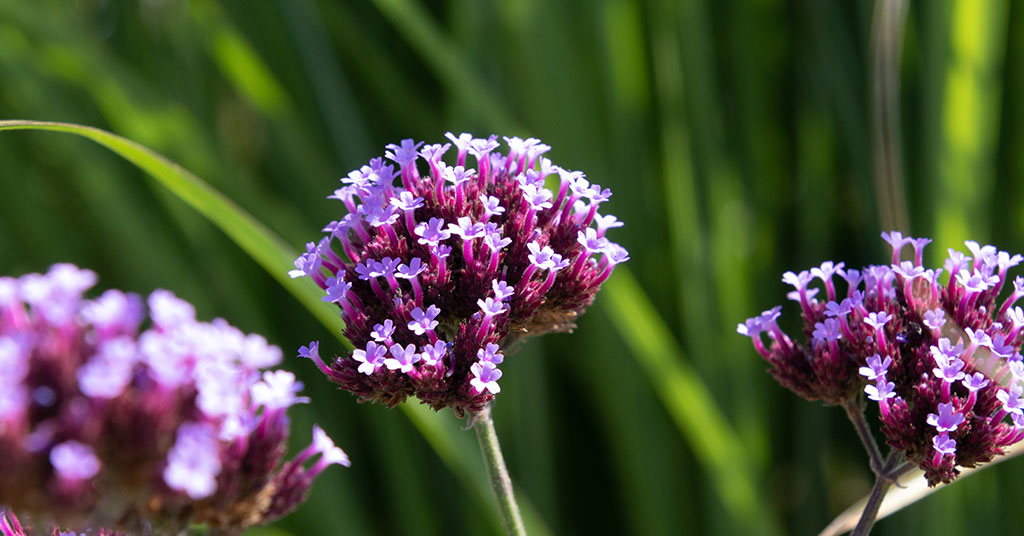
(106, 428)
(436, 277)
(942, 360)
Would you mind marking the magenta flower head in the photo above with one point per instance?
(942, 361)
(436, 261)
(106, 427)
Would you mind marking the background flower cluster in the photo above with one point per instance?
(106, 424)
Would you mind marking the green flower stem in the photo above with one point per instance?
(508, 509)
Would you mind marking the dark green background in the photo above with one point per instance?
(735, 135)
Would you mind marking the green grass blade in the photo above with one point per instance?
(688, 401)
(415, 24)
(239, 62)
(253, 237)
(971, 116)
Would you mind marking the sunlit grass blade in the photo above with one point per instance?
(342, 117)
(415, 24)
(689, 403)
(887, 50)
(971, 118)
(241, 65)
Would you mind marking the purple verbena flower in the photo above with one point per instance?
(838, 309)
(490, 307)
(403, 359)
(485, 377)
(1011, 398)
(432, 232)
(976, 381)
(490, 354)
(277, 390)
(434, 353)
(74, 461)
(881, 390)
(876, 367)
(944, 445)
(949, 370)
(502, 290)
(370, 359)
(337, 287)
(115, 429)
(481, 239)
(827, 331)
(897, 241)
(423, 321)
(935, 318)
(946, 420)
(382, 332)
(914, 339)
(877, 319)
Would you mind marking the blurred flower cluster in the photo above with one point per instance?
(104, 426)
(436, 277)
(942, 360)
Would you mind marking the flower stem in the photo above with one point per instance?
(508, 509)
(867, 517)
(883, 481)
(855, 411)
(887, 31)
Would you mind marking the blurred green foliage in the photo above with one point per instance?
(735, 135)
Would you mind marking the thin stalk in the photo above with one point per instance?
(855, 411)
(887, 47)
(883, 481)
(867, 518)
(508, 509)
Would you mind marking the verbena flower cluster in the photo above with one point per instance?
(102, 425)
(942, 360)
(10, 525)
(435, 277)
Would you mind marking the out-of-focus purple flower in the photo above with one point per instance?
(74, 461)
(951, 384)
(484, 254)
(935, 318)
(105, 428)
